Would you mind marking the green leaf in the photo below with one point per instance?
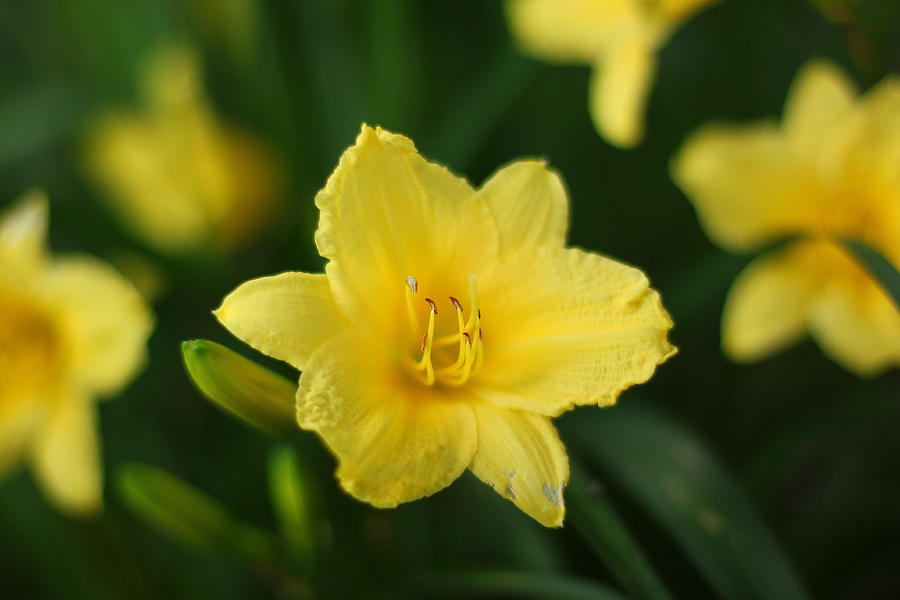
(598, 522)
(240, 386)
(675, 479)
(482, 584)
(292, 504)
(878, 266)
(188, 515)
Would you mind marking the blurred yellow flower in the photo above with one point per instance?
(71, 329)
(449, 325)
(176, 176)
(830, 171)
(619, 38)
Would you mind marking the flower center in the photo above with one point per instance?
(28, 350)
(468, 340)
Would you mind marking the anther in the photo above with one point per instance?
(456, 303)
(468, 338)
(433, 305)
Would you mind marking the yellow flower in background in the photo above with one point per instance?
(71, 330)
(831, 170)
(619, 38)
(449, 326)
(176, 176)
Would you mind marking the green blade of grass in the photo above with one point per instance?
(675, 479)
(598, 522)
(878, 266)
(187, 515)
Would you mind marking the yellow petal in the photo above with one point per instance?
(769, 303)
(854, 321)
(252, 203)
(566, 327)
(567, 30)
(105, 320)
(521, 457)
(19, 416)
(387, 214)
(144, 179)
(529, 205)
(67, 455)
(820, 97)
(392, 445)
(677, 10)
(747, 184)
(23, 230)
(863, 166)
(619, 87)
(286, 316)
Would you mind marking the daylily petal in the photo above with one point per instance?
(521, 457)
(820, 97)
(676, 10)
(747, 184)
(620, 83)
(142, 175)
(67, 455)
(18, 418)
(23, 230)
(566, 327)
(387, 214)
(286, 316)
(566, 30)
(854, 320)
(392, 447)
(769, 303)
(863, 166)
(105, 319)
(529, 204)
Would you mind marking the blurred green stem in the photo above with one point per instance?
(292, 505)
(606, 533)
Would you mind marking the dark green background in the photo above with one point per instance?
(814, 447)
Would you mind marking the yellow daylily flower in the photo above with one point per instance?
(619, 38)
(71, 330)
(831, 170)
(177, 177)
(449, 326)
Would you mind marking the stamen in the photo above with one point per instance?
(479, 357)
(473, 293)
(412, 286)
(427, 340)
(469, 336)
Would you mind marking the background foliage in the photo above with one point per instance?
(810, 447)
